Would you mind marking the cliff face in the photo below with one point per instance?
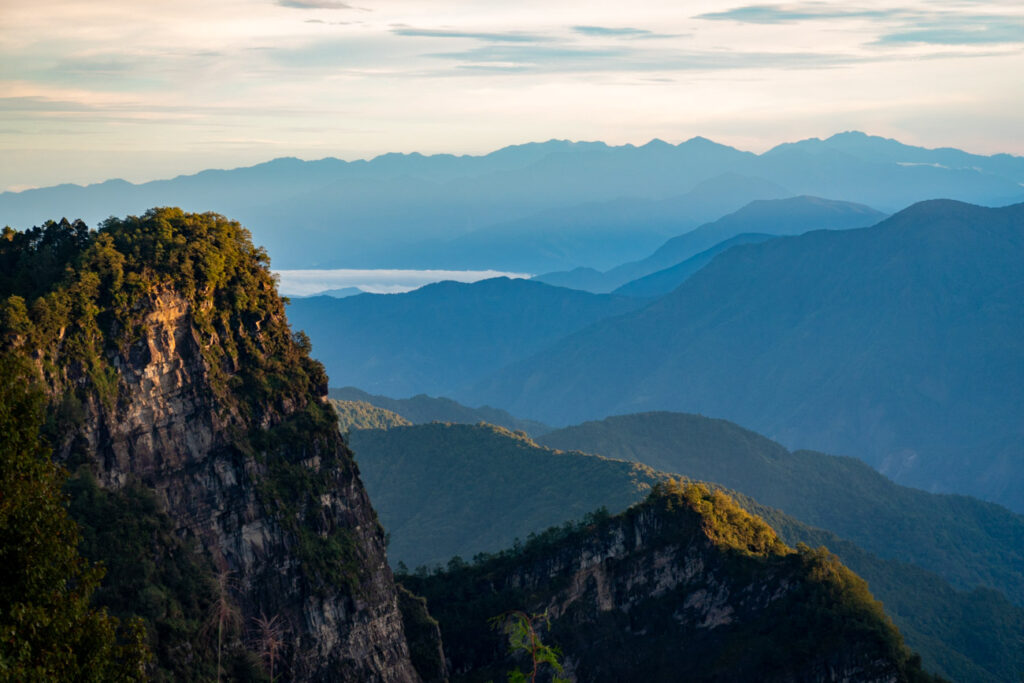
(682, 587)
(197, 389)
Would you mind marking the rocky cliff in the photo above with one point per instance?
(169, 363)
(684, 586)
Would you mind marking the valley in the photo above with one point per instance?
(757, 415)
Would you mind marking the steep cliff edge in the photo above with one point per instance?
(168, 363)
(685, 586)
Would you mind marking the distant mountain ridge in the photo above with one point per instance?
(410, 210)
(445, 336)
(790, 216)
(664, 281)
(968, 542)
(901, 344)
(422, 409)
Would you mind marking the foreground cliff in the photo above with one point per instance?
(172, 377)
(685, 586)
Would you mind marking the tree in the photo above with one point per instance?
(521, 629)
(48, 628)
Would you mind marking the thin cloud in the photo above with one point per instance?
(506, 37)
(521, 58)
(783, 14)
(902, 25)
(613, 32)
(517, 57)
(39, 104)
(316, 4)
(996, 32)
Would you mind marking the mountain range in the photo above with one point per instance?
(422, 409)
(791, 216)
(446, 336)
(204, 467)
(538, 207)
(900, 344)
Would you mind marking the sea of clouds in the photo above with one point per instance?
(381, 281)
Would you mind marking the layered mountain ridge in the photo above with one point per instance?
(899, 344)
(412, 211)
(910, 545)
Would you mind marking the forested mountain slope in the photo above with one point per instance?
(901, 344)
(445, 490)
(422, 408)
(968, 542)
(210, 475)
(685, 585)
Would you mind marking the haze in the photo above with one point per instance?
(90, 91)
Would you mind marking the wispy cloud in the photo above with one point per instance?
(896, 25)
(618, 32)
(486, 36)
(985, 31)
(39, 104)
(536, 57)
(568, 59)
(316, 4)
(781, 14)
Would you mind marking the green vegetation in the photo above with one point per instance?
(156, 578)
(965, 636)
(444, 489)
(521, 629)
(824, 613)
(421, 409)
(968, 542)
(503, 481)
(363, 415)
(79, 297)
(292, 488)
(75, 307)
(50, 629)
(423, 635)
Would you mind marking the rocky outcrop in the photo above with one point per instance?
(169, 430)
(195, 387)
(682, 587)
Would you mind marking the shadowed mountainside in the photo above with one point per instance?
(901, 344)
(443, 336)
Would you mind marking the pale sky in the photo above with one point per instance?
(140, 89)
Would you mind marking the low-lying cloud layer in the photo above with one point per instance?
(310, 282)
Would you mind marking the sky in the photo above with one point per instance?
(147, 89)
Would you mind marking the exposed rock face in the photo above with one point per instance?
(169, 431)
(666, 593)
(174, 366)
